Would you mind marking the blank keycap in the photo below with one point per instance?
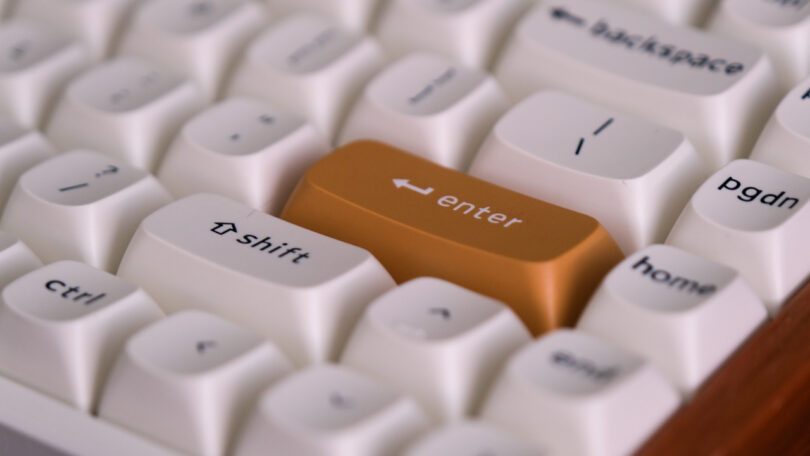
(81, 206)
(74, 319)
(95, 22)
(679, 12)
(779, 27)
(243, 149)
(469, 31)
(308, 65)
(470, 438)
(20, 149)
(127, 108)
(421, 219)
(448, 344)
(634, 177)
(34, 65)
(302, 290)
(16, 259)
(577, 395)
(354, 14)
(188, 380)
(751, 217)
(683, 313)
(429, 106)
(330, 410)
(786, 138)
(716, 91)
(199, 39)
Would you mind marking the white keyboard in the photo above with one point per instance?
(389, 227)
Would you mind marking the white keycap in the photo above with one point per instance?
(470, 438)
(779, 27)
(34, 65)
(243, 149)
(683, 313)
(716, 91)
(681, 12)
(199, 39)
(95, 22)
(353, 14)
(634, 177)
(126, 108)
(469, 31)
(786, 138)
(188, 380)
(330, 410)
(20, 149)
(16, 259)
(81, 206)
(74, 319)
(308, 66)
(751, 217)
(36, 424)
(429, 106)
(576, 395)
(299, 288)
(448, 342)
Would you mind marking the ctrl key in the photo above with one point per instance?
(574, 394)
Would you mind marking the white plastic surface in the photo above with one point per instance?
(683, 313)
(20, 149)
(473, 438)
(354, 14)
(679, 12)
(427, 105)
(301, 289)
(633, 176)
(716, 91)
(448, 343)
(188, 380)
(753, 218)
(16, 259)
(243, 149)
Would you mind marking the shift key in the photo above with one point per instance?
(421, 219)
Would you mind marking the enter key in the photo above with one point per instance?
(421, 219)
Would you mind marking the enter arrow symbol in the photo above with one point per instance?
(112, 169)
(400, 183)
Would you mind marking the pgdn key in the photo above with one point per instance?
(421, 219)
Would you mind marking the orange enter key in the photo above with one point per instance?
(420, 219)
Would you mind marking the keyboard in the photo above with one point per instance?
(404, 227)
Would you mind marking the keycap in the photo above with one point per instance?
(35, 64)
(302, 290)
(20, 149)
(187, 380)
(633, 176)
(421, 219)
(751, 217)
(199, 39)
(309, 66)
(82, 206)
(469, 31)
(785, 139)
(95, 22)
(35, 424)
(244, 149)
(779, 27)
(470, 438)
(717, 92)
(448, 342)
(429, 106)
(127, 108)
(680, 12)
(74, 319)
(16, 259)
(576, 395)
(684, 314)
(354, 14)
(328, 409)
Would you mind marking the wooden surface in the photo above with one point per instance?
(757, 403)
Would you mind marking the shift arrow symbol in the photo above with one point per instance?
(406, 183)
(222, 228)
